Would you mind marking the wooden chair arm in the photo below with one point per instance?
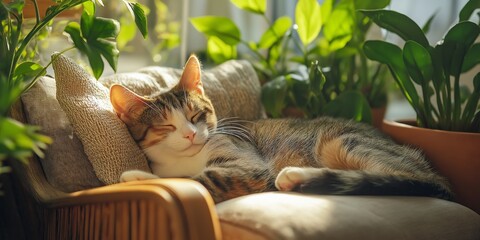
(154, 209)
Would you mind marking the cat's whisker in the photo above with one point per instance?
(240, 133)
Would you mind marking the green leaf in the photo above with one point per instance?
(473, 101)
(95, 38)
(221, 27)
(399, 24)
(418, 62)
(338, 30)
(472, 57)
(317, 78)
(326, 9)
(458, 40)
(299, 88)
(308, 19)
(28, 70)
(428, 23)
(254, 6)
(468, 9)
(371, 4)
(274, 93)
(465, 92)
(350, 105)
(86, 22)
(392, 56)
(275, 32)
(138, 12)
(219, 51)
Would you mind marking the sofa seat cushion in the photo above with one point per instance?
(278, 215)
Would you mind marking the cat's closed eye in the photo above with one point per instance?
(197, 117)
(166, 127)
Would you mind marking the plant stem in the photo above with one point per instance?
(457, 107)
(448, 117)
(36, 29)
(429, 122)
(37, 12)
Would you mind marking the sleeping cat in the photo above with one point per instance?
(179, 132)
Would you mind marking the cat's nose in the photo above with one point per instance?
(190, 135)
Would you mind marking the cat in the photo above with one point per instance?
(180, 134)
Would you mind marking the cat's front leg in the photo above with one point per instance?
(136, 175)
(291, 177)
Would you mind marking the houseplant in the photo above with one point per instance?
(19, 69)
(291, 50)
(448, 116)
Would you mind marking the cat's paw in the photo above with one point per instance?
(136, 175)
(290, 177)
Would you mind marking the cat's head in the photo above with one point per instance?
(177, 122)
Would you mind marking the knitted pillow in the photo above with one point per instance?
(233, 87)
(105, 138)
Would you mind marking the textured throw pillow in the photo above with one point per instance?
(65, 164)
(105, 138)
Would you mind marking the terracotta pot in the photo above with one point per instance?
(29, 10)
(456, 155)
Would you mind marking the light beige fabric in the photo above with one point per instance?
(105, 138)
(65, 164)
(280, 216)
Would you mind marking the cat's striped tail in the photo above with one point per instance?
(358, 182)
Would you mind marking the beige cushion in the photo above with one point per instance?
(105, 138)
(279, 216)
(65, 163)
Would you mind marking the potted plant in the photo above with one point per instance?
(20, 68)
(447, 127)
(314, 44)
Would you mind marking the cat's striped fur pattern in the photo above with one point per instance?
(181, 136)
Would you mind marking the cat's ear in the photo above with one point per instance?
(191, 77)
(127, 104)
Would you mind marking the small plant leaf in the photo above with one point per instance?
(219, 51)
(468, 9)
(317, 78)
(221, 27)
(472, 58)
(138, 12)
(392, 56)
(254, 6)
(326, 9)
(274, 93)
(338, 29)
(350, 105)
(276, 32)
(28, 70)
(418, 62)
(428, 24)
(95, 38)
(371, 4)
(399, 24)
(458, 40)
(299, 87)
(308, 19)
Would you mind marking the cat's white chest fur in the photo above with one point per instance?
(165, 164)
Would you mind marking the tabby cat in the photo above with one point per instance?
(179, 132)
